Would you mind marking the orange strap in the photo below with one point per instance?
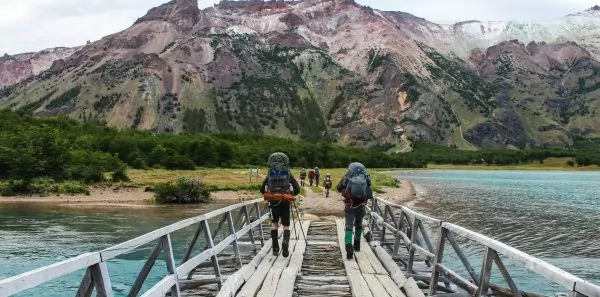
(275, 196)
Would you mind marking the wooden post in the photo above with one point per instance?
(486, 272)
(260, 227)
(211, 244)
(411, 250)
(236, 248)
(101, 280)
(506, 275)
(439, 254)
(86, 288)
(384, 216)
(462, 257)
(190, 247)
(251, 232)
(139, 281)
(170, 259)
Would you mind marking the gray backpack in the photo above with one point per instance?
(357, 181)
(278, 179)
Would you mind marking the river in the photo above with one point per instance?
(551, 215)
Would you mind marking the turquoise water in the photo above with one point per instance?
(554, 216)
(34, 236)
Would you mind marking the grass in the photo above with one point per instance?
(220, 179)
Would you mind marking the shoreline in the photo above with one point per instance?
(313, 204)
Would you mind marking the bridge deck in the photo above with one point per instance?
(315, 267)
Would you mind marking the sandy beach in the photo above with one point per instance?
(311, 205)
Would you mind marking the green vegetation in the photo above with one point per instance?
(183, 191)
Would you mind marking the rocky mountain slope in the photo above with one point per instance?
(14, 69)
(325, 69)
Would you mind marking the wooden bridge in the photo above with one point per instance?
(228, 255)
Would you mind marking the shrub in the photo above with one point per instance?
(120, 175)
(178, 162)
(183, 191)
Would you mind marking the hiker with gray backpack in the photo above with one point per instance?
(356, 189)
(280, 189)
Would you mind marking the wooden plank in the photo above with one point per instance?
(363, 263)
(139, 281)
(33, 278)
(235, 281)
(371, 258)
(412, 289)
(255, 281)
(389, 285)
(286, 283)
(101, 280)
(375, 286)
(269, 286)
(390, 265)
(86, 288)
(358, 285)
(170, 259)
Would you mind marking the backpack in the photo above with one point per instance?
(357, 181)
(327, 181)
(278, 178)
(311, 173)
(302, 172)
(317, 171)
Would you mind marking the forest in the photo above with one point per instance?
(62, 149)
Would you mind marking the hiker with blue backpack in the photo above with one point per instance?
(356, 189)
(280, 189)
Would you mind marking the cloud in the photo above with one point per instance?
(33, 25)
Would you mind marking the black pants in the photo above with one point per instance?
(280, 210)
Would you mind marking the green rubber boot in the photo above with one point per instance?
(357, 239)
(349, 247)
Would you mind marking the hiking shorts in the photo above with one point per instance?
(281, 210)
(354, 217)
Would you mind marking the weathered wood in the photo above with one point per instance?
(536, 265)
(170, 259)
(511, 284)
(162, 287)
(412, 289)
(33, 278)
(358, 285)
(87, 285)
(439, 254)
(462, 256)
(285, 286)
(193, 242)
(389, 285)
(101, 280)
(375, 286)
(390, 265)
(139, 281)
(236, 248)
(457, 279)
(235, 281)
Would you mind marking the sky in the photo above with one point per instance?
(33, 25)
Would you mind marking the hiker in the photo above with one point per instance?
(279, 188)
(302, 176)
(356, 189)
(328, 183)
(311, 176)
(317, 174)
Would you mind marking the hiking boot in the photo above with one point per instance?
(357, 246)
(285, 243)
(349, 251)
(274, 236)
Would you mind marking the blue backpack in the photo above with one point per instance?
(358, 181)
(278, 179)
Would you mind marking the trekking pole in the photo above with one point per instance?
(298, 216)
(294, 222)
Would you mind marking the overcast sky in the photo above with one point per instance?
(33, 25)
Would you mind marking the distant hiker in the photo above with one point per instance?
(311, 176)
(279, 188)
(328, 183)
(356, 189)
(317, 174)
(302, 176)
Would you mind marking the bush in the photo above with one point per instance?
(183, 191)
(120, 175)
(178, 162)
(42, 187)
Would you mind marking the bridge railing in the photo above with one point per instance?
(97, 275)
(410, 233)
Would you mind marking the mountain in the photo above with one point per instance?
(14, 69)
(331, 70)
